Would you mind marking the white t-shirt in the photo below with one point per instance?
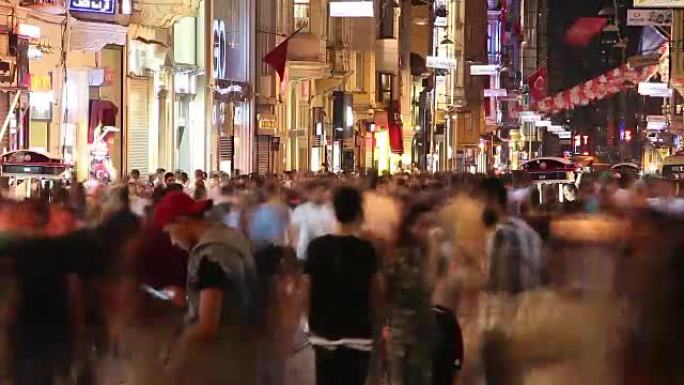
(314, 221)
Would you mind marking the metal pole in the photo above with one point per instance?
(373, 152)
(529, 135)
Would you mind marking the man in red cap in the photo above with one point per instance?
(215, 346)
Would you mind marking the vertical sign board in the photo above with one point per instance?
(677, 51)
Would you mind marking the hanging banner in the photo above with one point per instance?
(658, 3)
(649, 17)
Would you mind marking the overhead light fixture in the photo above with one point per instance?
(446, 41)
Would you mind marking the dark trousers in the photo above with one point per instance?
(341, 366)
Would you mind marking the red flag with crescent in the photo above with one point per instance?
(537, 83)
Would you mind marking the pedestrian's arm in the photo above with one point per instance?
(209, 316)
(293, 235)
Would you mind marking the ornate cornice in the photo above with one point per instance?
(162, 13)
(298, 70)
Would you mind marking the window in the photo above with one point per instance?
(301, 15)
(384, 89)
(387, 20)
(360, 72)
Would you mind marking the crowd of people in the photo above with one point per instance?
(348, 279)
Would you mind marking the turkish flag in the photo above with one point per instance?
(584, 30)
(537, 83)
(277, 58)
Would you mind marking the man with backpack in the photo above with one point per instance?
(217, 345)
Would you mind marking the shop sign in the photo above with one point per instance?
(495, 93)
(656, 118)
(93, 6)
(649, 17)
(644, 61)
(484, 69)
(656, 126)
(659, 3)
(443, 63)
(41, 83)
(351, 9)
(565, 135)
(542, 123)
(654, 89)
(28, 31)
(267, 122)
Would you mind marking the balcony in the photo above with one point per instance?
(306, 57)
(387, 56)
(306, 47)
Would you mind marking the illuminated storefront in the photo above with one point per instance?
(232, 119)
(190, 132)
(149, 143)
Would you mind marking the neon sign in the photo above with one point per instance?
(93, 6)
(220, 49)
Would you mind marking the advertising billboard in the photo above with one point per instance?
(658, 3)
(649, 17)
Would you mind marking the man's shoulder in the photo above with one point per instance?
(334, 242)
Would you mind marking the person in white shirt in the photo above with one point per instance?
(312, 219)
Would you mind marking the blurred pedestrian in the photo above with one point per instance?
(312, 219)
(346, 291)
(216, 346)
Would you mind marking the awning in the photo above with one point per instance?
(93, 37)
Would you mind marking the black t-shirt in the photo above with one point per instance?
(341, 270)
(210, 276)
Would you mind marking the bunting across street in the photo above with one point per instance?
(598, 88)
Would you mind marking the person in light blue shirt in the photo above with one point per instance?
(269, 220)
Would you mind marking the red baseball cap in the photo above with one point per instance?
(178, 204)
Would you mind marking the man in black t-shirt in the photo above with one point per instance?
(344, 283)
